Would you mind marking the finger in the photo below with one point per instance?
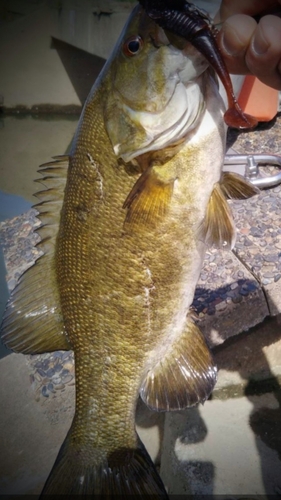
(250, 7)
(263, 55)
(234, 39)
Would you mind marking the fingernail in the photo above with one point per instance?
(260, 44)
(230, 42)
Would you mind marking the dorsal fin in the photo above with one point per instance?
(32, 322)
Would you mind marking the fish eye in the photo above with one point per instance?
(133, 45)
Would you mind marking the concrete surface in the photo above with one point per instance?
(49, 50)
(30, 431)
(27, 142)
(31, 71)
(212, 451)
(251, 358)
(37, 72)
(84, 24)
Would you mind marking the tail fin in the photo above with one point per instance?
(88, 471)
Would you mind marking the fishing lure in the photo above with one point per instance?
(188, 21)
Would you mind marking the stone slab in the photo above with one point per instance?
(250, 361)
(32, 72)
(26, 143)
(228, 298)
(258, 220)
(223, 449)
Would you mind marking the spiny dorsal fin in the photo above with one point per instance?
(235, 187)
(218, 227)
(184, 377)
(32, 322)
(149, 200)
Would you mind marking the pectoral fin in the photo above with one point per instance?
(149, 200)
(184, 377)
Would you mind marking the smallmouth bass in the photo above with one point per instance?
(143, 195)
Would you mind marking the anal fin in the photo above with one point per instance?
(184, 377)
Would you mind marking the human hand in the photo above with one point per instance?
(248, 46)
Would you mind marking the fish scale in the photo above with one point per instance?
(95, 247)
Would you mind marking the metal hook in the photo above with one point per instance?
(249, 167)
